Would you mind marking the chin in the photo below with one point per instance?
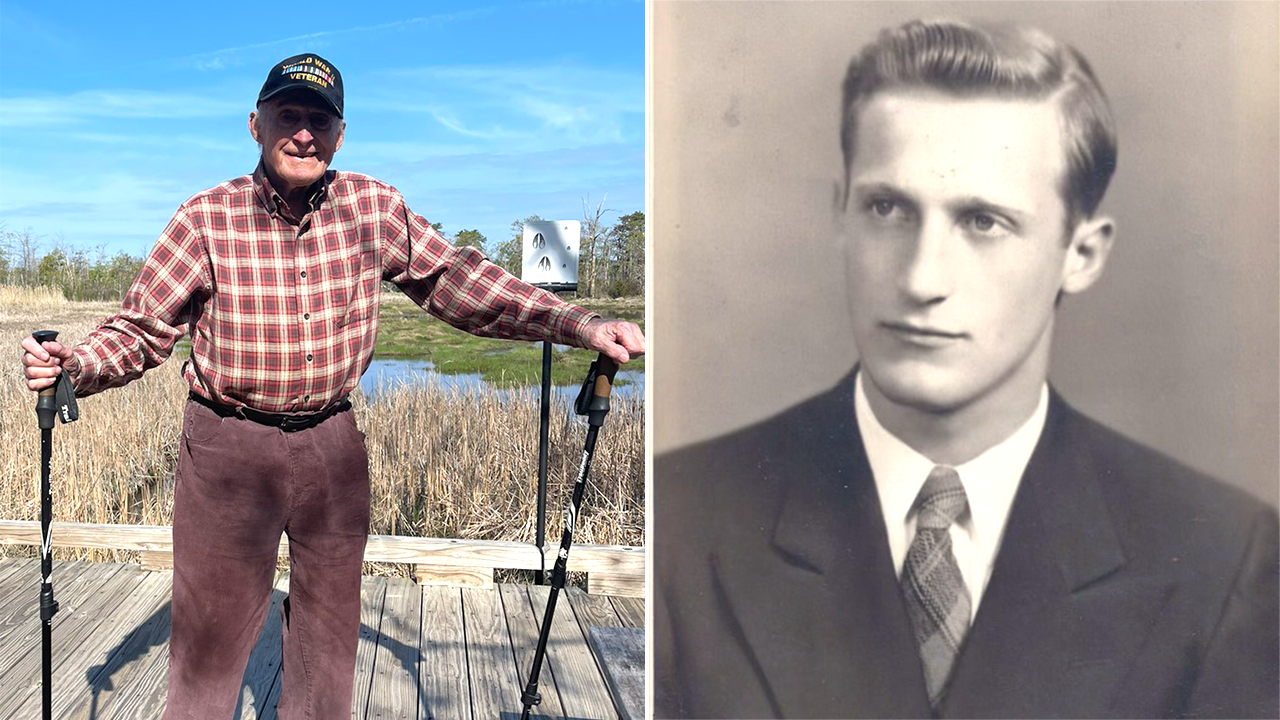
(919, 387)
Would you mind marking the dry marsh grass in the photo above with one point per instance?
(443, 463)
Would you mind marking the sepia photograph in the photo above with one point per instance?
(966, 330)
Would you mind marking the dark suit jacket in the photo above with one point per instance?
(1127, 585)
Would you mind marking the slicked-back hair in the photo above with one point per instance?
(968, 60)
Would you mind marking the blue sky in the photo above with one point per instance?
(113, 114)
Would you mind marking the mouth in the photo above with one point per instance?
(923, 335)
(300, 155)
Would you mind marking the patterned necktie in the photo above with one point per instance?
(936, 597)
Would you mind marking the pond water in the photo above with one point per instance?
(391, 372)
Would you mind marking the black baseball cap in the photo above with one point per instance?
(307, 72)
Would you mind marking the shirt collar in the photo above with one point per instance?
(990, 480)
(274, 202)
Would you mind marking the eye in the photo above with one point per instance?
(986, 224)
(320, 121)
(883, 207)
(289, 117)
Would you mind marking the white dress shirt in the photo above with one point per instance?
(990, 482)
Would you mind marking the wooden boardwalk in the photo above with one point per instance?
(425, 652)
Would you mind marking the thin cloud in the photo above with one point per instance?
(235, 56)
(561, 104)
(89, 105)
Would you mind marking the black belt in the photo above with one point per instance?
(291, 422)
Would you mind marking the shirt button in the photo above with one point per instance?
(306, 316)
(303, 273)
(308, 357)
(308, 398)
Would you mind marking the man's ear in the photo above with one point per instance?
(1087, 253)
(342, 132)
(253, 126)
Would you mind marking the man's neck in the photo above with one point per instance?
(956, 436)
(297, 198)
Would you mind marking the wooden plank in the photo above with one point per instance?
(452, 552)
(141, 686)
(76, 660)
(89, 535)
(619, 652)
(262, 672)
(445, 691)
(592, 610)
(74, 625)
(436, 552)
(373, 591)
(13, 573)
(155, 559)
(615, 559)
(524, 620)
(20, 631)
(23, 587)
(630, 609)
(394, 691)
(453, 576)
(495, 689)
(602, 583)
(273, 700)
(26, 588)
(79, 672)
(581, 687)
(131, 682)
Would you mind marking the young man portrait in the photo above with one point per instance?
(941, 533)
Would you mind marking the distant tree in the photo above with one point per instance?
(26, 247)
(470, 238)
(625, 256)
(438, 227)
(593, 232)
(52, 269)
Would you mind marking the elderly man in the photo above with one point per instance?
(276, 278)
(941, 535)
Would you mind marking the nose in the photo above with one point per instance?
(927, 275)
(303, 135)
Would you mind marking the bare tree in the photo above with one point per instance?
(593, 232)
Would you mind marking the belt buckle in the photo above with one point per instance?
(294, 424)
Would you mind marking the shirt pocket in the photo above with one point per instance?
(362, 280)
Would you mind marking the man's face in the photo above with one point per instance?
(299, 136)
(956, 246)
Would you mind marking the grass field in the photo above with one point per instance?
(443, 463)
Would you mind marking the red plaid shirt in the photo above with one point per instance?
(283, 313)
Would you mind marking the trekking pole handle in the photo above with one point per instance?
(44, 336)
(593, 399)
(606, 368)
(46, 402)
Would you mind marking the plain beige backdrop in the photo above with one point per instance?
(1178, 345)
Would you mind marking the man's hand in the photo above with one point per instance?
(42, 364)
(617, 339)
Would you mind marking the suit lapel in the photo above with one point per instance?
(1060, 617)
(821, 607)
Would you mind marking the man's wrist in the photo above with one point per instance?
(577, 326)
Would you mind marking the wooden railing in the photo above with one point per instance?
(610, 569)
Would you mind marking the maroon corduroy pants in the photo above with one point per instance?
(238, 485)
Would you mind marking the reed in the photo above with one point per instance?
(443, 463)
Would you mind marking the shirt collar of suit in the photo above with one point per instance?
(990, 481)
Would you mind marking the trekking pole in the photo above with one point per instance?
(57, 399)
(593, 401)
